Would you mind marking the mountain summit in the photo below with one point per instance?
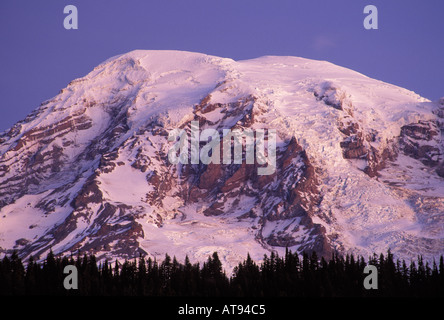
(359, 163)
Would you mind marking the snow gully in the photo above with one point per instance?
(210, 153)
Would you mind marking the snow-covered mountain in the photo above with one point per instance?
(360, 163)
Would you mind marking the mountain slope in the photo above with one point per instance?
(359, 163)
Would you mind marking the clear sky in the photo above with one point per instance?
(38, 57)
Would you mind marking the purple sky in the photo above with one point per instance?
(38, 57)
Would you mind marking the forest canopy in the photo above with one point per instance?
(291, 275)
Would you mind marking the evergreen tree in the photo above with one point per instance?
(30, 277)
(5, 276)
(17, 274)
(141, 278)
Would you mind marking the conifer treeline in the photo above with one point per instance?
(291, 275)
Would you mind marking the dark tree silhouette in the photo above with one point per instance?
(290, 275)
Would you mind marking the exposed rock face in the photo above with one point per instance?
(89, 169)
(422, 141)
